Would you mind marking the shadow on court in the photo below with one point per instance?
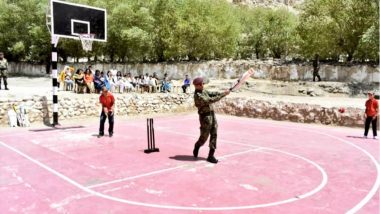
(186, 158)
(356, 137)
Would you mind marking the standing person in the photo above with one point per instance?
(186, 83)
(107, 101)
(209, 126)
(370, 115)
(69, 83)
(316, 68)
(3, 70)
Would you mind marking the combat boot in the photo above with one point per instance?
(211, 158)
(196, 150)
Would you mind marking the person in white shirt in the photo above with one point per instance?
(114, 71)
(153, 84)
(111, 81)
(120, 82)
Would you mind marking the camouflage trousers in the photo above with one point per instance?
(4, 76)
(209, 127)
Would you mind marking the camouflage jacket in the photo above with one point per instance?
(204, 99)
(3, 64)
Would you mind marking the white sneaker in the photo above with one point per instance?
(375, 137)
(365, 137)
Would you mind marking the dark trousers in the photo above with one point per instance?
(368, 122)
(316, 74)
(103, 118)
(4, 80)
(184, 87)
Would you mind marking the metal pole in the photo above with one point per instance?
(54, 60)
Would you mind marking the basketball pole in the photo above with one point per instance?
(54, 62)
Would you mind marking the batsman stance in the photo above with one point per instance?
(209, 126)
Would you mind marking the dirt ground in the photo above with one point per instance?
(25, 87)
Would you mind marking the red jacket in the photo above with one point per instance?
(371, 107)
(107, 101)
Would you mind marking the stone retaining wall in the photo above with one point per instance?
(40, 108)
(301, 113)
(86, 106)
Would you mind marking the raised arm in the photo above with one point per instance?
(203, 99)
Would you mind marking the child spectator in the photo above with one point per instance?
(89, 80)
(98, 83)
(186, 83)
(166, 85)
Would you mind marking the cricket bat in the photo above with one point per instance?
(243, 79)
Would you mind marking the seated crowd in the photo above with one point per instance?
(86, 81)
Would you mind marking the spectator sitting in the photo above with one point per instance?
(146, 82)
(114, 71)
(120, 82)
(155, 76)
(106, 80)
(186, 83)
(89, 80)
(141, 82)
(131, 80)
(128, 83)
(166, 85)
(111, 80)
(79, 81)
(98, 83)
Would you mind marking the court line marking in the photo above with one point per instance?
(375, 186)
(64, 201)
(165, 170)
(116, 199)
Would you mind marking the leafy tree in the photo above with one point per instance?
(335, 27)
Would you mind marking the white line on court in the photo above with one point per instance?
(165, 170)
(116, 199)
(376, 185)
(365, 200)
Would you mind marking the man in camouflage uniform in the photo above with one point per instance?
(3, 70)
(203, 101)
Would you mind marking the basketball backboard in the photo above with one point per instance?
(69, 20)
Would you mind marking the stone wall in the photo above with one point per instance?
(301, 113)
(86, 106)
(271, 70)
(40, 108)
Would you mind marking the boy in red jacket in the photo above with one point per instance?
(371, 112)
(107, 100)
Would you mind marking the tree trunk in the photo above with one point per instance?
(350, 56)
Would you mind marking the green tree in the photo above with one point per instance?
(253, 27)
(335, 27)
(280, 32)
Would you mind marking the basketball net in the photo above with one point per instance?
(87, 40)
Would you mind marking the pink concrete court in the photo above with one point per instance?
(264, 167)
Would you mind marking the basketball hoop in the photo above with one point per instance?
(87, 40)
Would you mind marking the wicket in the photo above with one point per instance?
(151, 137)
